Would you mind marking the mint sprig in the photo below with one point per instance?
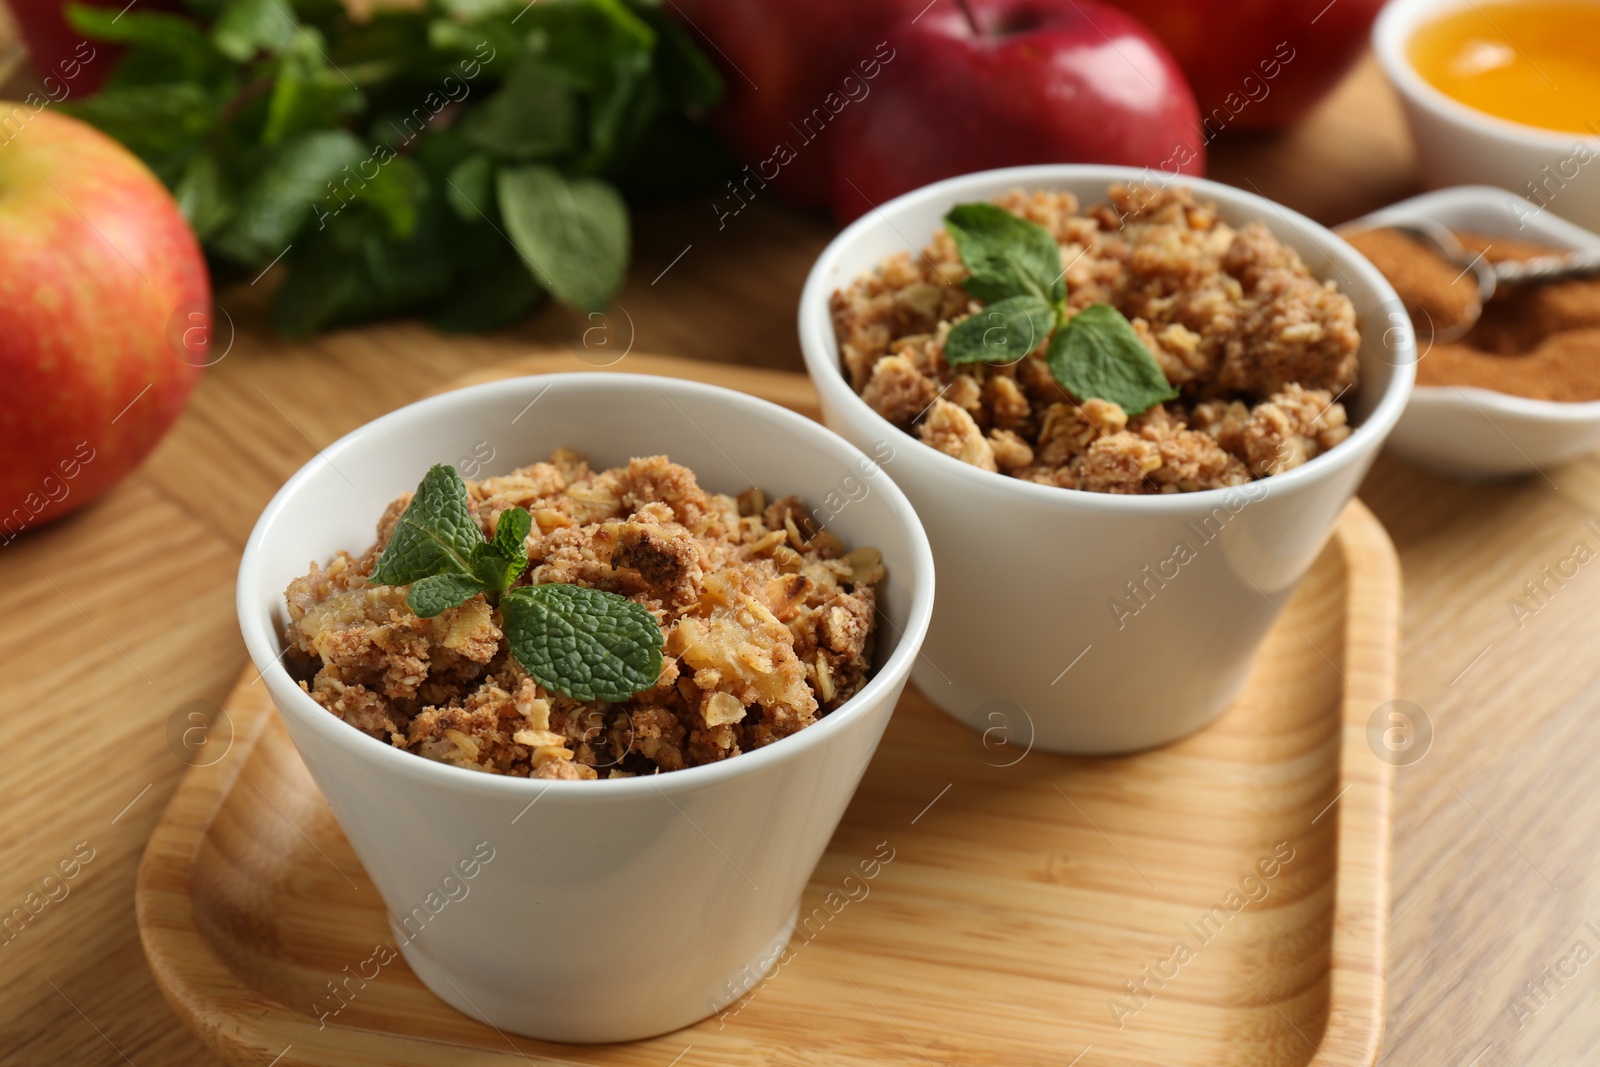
(1014, 267)
(1097, 354)
(585, 643)
(435, 536)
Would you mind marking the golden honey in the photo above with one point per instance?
(1536, 62)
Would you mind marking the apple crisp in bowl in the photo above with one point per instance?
(1147, 346)
(1140, 417)
(548, 639)
(766, 623)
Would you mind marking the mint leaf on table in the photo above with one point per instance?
(396, 195)
(1006, 255)
(309, 95)
(687, 74)
(435, 535)
(245, 27)
(1000, 333)
(283, 197)
(532, 116)
(180, 42)
(592, 42)
(1096, 355)
(469, 187)
(201, 195)
(156, 122)
(496, 294)
(573, 233)
(585, 643)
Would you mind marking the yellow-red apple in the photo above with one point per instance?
(105, 310)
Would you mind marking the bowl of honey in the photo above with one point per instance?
(1503, 93)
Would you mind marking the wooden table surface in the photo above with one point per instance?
(117, 624)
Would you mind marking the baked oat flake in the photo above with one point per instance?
(1217, 357)
(559, 622)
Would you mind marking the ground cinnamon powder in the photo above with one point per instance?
(1539, 341)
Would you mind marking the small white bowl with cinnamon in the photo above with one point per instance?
(1519, 392)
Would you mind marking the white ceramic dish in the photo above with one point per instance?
(1025, 629)
(1476, 433)
(1459, 145)
(612, 909)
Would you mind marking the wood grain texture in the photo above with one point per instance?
(1024, 889)
(1507, 785)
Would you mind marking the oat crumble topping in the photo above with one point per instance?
(769, 625)
(1263, 352)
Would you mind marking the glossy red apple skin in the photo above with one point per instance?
(1227, 49)
(100, 282)
(1040, 81)
(780, 59)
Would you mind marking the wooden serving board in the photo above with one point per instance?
(1237, 882)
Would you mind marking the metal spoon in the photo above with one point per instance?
(1491, 277)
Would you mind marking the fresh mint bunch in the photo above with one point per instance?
(586, 643)
(459, 159)
(1014, 267)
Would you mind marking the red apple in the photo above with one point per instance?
(781, 59)
(1258, 64)
(66, 63)
(1021, 81)
(104, 314)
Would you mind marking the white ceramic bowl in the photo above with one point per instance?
(1025, 636)
(1460, 145)
(611, 909)
(1476, 433)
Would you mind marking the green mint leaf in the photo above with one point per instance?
(532, 116)
(511, 534)
(1007, 256)
(285, 193)
(585, 643)
(173, 34)
(396, 193)
(202, 196)
(161, 124)
(1002, 332)
(573, 233)
(1096, 355)
(354, 269)
(592, 43)
(494, 41)
(496, 294)
(436, 535)
(246, 27)
(469, 187)
(689, 77)
(492, 568)
(308, 94)
(497, 563)
(440, 592)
